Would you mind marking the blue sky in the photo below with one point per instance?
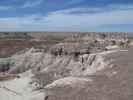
(66, 15)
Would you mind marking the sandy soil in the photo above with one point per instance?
(19, 89)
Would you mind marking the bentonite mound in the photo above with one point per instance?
(112, 83)
(79, 68)
(100, 76)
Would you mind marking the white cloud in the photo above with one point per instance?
(108, 8)
(27, 4)
(30, 4)
(62, 21)
(90, 20)
(7, 23)
(78, 10)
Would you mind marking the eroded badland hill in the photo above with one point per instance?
(66, 66)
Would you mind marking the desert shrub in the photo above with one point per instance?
(113, 42)
(102, 35)
(95, 41)
(127, 43)
(124, 44)
(121, 44)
